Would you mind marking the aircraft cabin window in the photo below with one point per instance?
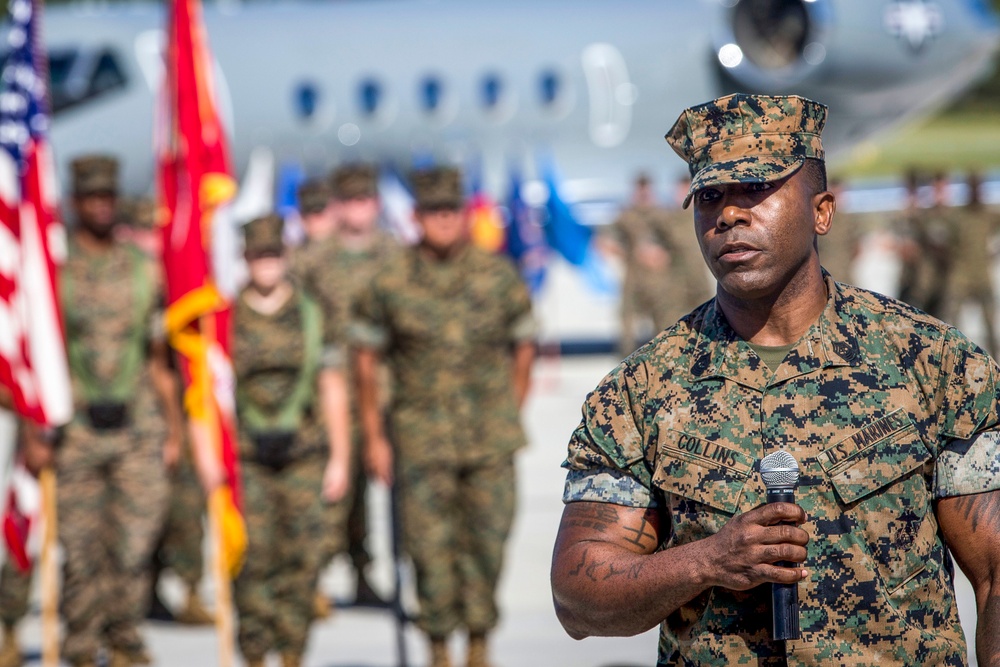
(370, 94)
(431, 94)
(492, 92)
(306, 100)
(550, 88)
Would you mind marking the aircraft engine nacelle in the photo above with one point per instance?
(773, 45)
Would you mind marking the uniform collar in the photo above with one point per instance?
(831, 341)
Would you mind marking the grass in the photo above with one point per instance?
(952, 142)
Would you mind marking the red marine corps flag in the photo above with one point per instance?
(194, 181)
(33, 365)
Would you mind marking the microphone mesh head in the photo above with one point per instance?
(779, 470)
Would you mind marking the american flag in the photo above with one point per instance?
(32, 239)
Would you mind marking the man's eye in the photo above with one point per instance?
(759, 187)
(708, 195)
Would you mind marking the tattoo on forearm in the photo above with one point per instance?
(642, 538)
(594, 570)
(632, 571)
(583, 561)
(591, 571)
(596, 516)
(981, 508)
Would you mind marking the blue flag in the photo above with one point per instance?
(572, 239)
(525, 239)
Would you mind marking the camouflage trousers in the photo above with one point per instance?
(180, 545)
(15, 590)
(112, 492)
(456, 519)
(286, 519)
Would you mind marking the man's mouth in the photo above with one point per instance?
(735, 252)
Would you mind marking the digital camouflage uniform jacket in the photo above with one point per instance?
(447, 329)
(885, 408)
(269, 356)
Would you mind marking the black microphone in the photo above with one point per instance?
(781, 474)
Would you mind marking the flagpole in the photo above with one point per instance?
(50, 572)
(223, 590)
(223, 586)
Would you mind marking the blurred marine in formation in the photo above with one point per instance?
(34, 450)
(664, 277)
(111, 464)
(291, 402)
(337, 271)
(970, 280)
(455, 325)
(179, 542)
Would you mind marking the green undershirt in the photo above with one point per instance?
(772, 356)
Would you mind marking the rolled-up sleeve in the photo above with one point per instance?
(367, 326)
(969, 459)
(606, 457)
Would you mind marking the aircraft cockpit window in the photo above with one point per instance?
(370, 97)
(78, 76)
(107, 75)
(432, 94)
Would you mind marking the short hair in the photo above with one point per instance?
(814, 171)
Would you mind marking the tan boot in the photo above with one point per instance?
(477, 651)
(321, 606)
(194, 612)
(439, 653)
(291, 660)
(10, 653)
(122, 658)
(255, 663)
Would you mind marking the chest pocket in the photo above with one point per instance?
(862, 464)
(885, 500)
(702, 480)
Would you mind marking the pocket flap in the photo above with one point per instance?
(702, 470)
(861, 464)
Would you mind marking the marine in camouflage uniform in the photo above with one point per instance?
(687, 280)
(15, 591)
(35, 452)
(337, 271)
(179, 544)
(316, 211)
(936, 234)
(455, 325)
(110, 466)
(971, 279)
(892, 416)
(646, 293)
(291, 405)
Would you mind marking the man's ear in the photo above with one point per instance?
(824, 208)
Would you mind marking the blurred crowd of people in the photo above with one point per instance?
(353, 355)
(935, 252)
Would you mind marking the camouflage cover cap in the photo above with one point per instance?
(314, 196)
(263, 235)
(355, 181)
(94, 174)
(439, 187)
(747, 138)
